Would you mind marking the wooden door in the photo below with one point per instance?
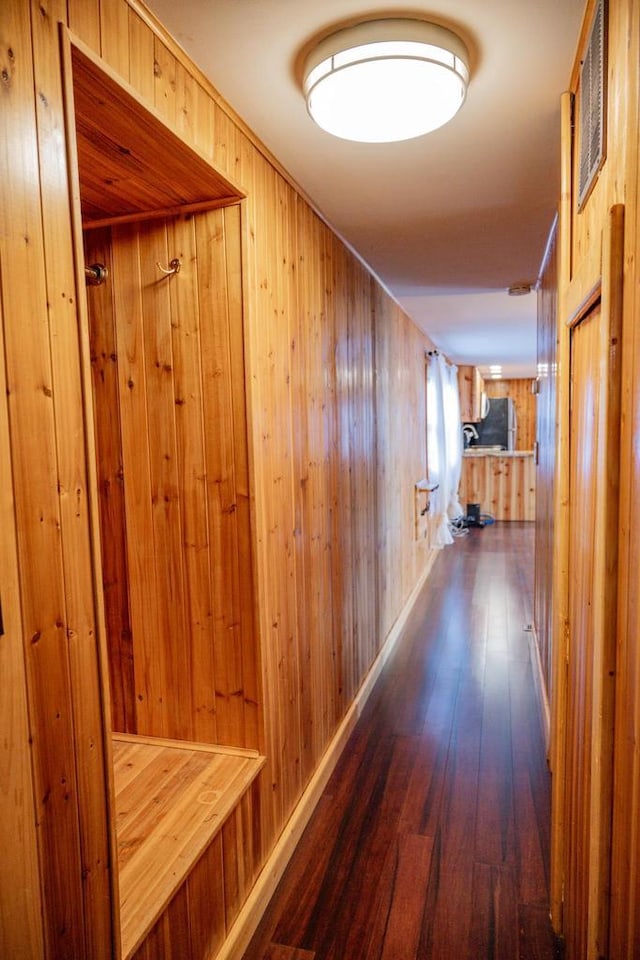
(592, 598)
(581, 776)
(168, 378)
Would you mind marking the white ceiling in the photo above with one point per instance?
(447, 221)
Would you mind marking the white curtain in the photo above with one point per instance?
(444, 446)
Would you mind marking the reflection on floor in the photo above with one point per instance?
(431, 839)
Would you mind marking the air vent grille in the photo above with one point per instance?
(592, 104)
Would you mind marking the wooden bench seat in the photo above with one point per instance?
(172, 798)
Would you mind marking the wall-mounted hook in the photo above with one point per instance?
(174, 267)
(95, 274)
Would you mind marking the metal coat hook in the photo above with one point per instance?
(174, 267)
(95, 274)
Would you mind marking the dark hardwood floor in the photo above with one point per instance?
(431, 840)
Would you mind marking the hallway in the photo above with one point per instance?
(431, 839)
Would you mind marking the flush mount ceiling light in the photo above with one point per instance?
(386, 80)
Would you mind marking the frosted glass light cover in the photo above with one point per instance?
(385, 91)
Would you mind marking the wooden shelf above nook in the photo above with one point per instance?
(132, 165)
(172, 798)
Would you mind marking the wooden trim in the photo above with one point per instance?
(21, 907)
(557, 757)
(164, 213)
(586, 304)
(248, 285)
(605, 577)
(581, 44)
(92, 479)
(249, 917)
(187, 745)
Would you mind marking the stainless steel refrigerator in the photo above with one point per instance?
(499, 427)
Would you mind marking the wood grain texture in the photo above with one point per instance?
(431, 838)
(505, 487)
(131, 163)
(21, 916)
(49, 471)
(177, 620)
(560, 598)
(583, 250)
(595, 414)
(471, 386)
(292, 408)
(625, 893)
(171, 801)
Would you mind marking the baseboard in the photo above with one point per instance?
(541, 689)
(250, 915)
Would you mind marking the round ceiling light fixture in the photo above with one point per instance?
(386, 80)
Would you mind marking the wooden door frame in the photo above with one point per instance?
(599, 279)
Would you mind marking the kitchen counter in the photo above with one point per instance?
(470, 452)
(503, 482)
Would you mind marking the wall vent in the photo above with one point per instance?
(592, 104)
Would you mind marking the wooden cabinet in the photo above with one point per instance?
(504, 485)
(471, 389)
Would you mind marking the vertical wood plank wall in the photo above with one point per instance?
(505, 487)
(50, 486)
(625, 874)
(580, 240)
(525, 405)
(21, 930)
(335, 410)
(545, 469)
(172, 472)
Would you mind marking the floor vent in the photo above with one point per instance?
(592, 104)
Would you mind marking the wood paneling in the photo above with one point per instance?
(625, 874)
(594, 484)
(49, 471)
(132, 165)
(524, 402)
(471, 386)
(316, 473)
(581, 593)
(168, 439)
(546, 456)
(21, 932)
(401, 438)
(505, 487)
(583, 256)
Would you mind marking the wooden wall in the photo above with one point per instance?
(525, 404)
(335, 410)
(610, 912)
(21, 929)
(625, 116)
(545, 468)
(166, 354)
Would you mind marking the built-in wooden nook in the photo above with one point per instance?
(164, 390)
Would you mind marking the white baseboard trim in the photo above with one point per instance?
(256, 903)
(541, 689)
